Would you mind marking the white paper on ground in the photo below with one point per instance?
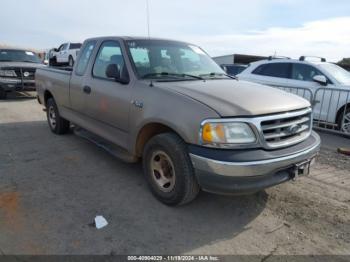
(100, 222)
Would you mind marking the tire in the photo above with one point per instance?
(57, 124)
(344, 126)
(169, 171)
(3, 93)
(70, 61)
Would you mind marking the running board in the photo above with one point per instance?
(106, 145)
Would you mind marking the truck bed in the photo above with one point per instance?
(57, 79)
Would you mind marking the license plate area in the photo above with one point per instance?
(303, 168)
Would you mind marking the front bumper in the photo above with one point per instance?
(251, 170)
(15, 84)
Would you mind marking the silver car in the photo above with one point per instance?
(326, 84)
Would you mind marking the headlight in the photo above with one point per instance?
(226, 134)
(9, 73)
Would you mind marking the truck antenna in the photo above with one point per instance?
(147, 10)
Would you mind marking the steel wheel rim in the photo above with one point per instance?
(70, 62)
(346, 123)
(163, 172)
(52, 117)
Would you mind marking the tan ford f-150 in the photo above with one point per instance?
(194, 127)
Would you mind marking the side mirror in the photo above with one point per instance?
(322, 80)
(112, 71)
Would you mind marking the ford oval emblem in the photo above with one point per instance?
(293, 129)
(26, 74)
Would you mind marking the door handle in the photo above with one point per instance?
(87, 89)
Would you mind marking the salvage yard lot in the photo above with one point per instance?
(51, 188)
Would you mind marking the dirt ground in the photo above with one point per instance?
(51, 188)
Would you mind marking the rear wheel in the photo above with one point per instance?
(70, 61)
(57, 124)
(3, 93)
(168, 170)
(344, 121)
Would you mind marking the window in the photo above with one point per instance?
(304, 72)
(109, 53)
(274, 69)
(74, 46)
(13, 55)
(234, 69)
(340, 74)
(171, 57)
(63, 47)
(83, 61)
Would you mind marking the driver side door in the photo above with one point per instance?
(108, 101)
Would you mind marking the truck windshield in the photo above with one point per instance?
(340, 74)
(9, 55)
(162, 59)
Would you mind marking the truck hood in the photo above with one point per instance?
(237, 98)
(20, 64)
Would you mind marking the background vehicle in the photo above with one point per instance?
(170, 104)
(233, 69)
(65, 54)
(17, 70)
(330, 106)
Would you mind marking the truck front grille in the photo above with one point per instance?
(22, 73)
(286, 129)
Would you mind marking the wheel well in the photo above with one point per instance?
(149, 131)
(340, 111)
(47, 95)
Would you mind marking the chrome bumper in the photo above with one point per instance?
(254, 168)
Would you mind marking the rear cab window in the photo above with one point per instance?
(83, 61)
(74, 46)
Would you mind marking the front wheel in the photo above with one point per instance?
(344, 121)
(168, 170)
(57, 124)
(3, 93)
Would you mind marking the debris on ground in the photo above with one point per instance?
(100, 222)
(344, 151)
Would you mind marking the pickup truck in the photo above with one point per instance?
(66, 54)
(17, 70)
(194, 127)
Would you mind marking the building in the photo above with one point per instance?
(237, 59)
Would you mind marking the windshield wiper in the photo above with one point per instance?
(219, 74)
(172, 74)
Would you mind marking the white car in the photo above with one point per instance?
(324, 84)
(65, 54)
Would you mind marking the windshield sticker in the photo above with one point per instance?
(29, 53)
(197, 50)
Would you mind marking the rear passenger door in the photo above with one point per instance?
(273, 74)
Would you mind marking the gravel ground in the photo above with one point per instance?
(51, 187)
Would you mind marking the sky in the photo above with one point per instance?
(259, 27)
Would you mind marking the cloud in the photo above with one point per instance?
(328, 38)
(220, 27)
